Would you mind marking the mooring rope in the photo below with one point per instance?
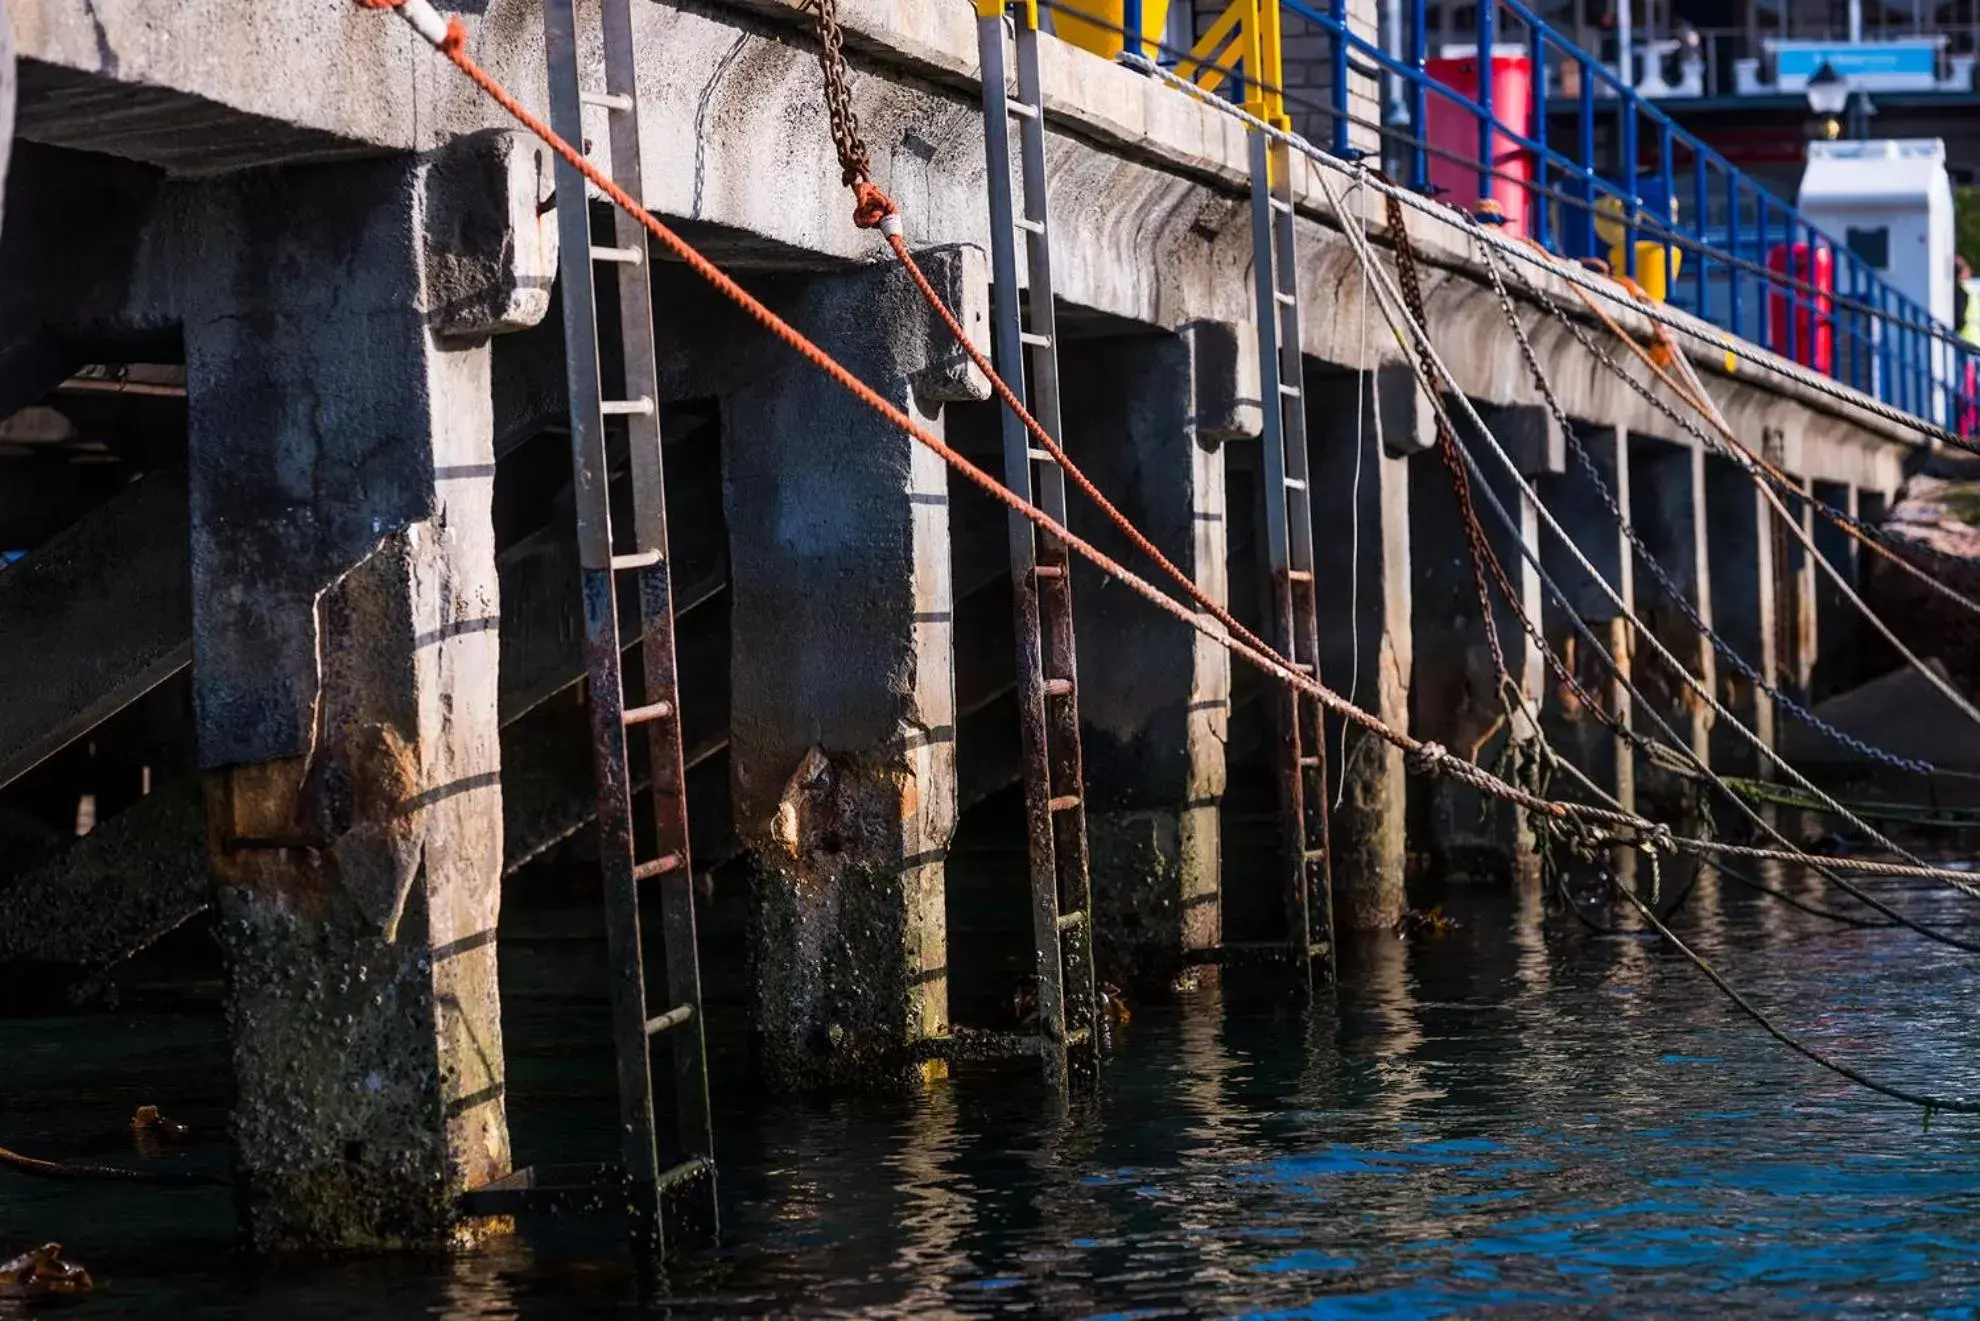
(1692, 391)
(1754, 466)
(450, 38)
(1602, 288)
(1408, 326)
(1675, 591)
(1924, 1101)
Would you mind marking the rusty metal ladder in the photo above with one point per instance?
(1041, 570)
(638, 1183)
(1302, 757)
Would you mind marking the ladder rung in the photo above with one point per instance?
(1295, 483)
(639, 559)
(640, 715)
(1030, 226)
(1063, 803)
(606, 100)
(1310, 763)
(1304, 667)
(1282, 297)
(624, 256)
(1300, 575)
(640, 407)
(1314, 855)
(660, 866)
(1041, 456)
(1282, 206)
(673, 1018)
(1022, 109)
(1288, 389)
(1070, 921)
(1079, 1036)
(694, 1167)
(1058, 687)
(1036, 341)
(1049, 570)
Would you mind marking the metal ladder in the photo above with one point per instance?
(638, 1183)
(1041, 570)
(1302, 753)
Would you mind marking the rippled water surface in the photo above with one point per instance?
(1520, 1116)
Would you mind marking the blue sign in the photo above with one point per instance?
(1868, 66)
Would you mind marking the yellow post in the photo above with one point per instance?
(1198, 67)
(1268, 50)
(1096, 25)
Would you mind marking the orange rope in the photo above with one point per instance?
(1429, 756)
(1051, 446)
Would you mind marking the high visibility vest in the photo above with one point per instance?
(1969, 329)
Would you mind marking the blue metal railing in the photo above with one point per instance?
(1760, 283)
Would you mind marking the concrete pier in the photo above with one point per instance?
(1371, 422)
(345, 625)
(1745, 604)
(1669, 511)
(1837, 624)
(1574, 500)
(313, 209)
(1146, 417)
(842, 721)
(1455, 693)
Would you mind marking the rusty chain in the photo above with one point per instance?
(1483, 559)
(854, 164)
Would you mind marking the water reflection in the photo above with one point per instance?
(1519, 1114)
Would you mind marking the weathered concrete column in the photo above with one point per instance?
(1836, 621)
(1367, 422)
(345, 616)
(1804, 579)
(1579, 506)
(1455, 698)
(1145, 416)
(1745, 608)
(842, 672)
(1669, 512)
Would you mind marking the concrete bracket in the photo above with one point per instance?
(1224, 382)
(961, 275)
(1409, 422)
(491, 239)
(1529, 434)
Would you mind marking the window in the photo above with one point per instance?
(1872, 245)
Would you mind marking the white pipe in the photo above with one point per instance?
(425, 20)
(1855, 21)
(1625, 56)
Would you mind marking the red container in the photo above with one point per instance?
(1454, 128)
(1814, 326)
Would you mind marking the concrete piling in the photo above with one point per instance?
(1145, 417)
(842, 672)
(1745, 605)
(345, 622)
(1575, 502)
(1366, 639)
(1837, 625)
(1455, 692)
(1669, 511)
